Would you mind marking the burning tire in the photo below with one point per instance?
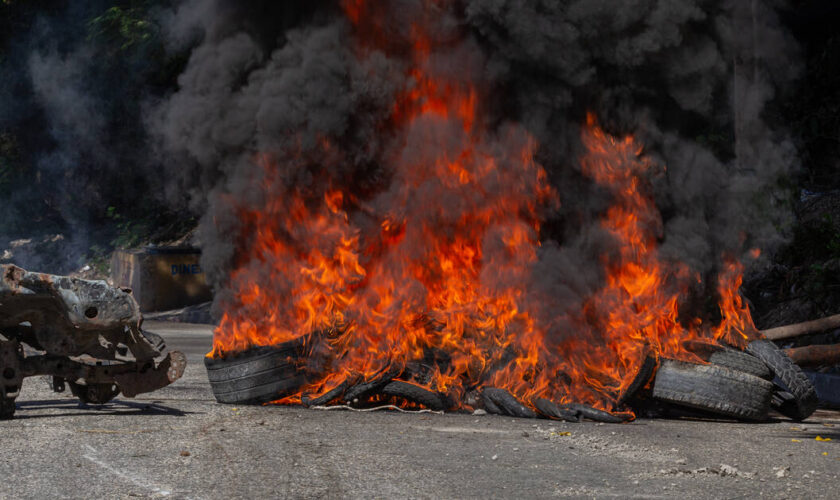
(798, 398)
(742, 362)
(258, 375)
(713, 388)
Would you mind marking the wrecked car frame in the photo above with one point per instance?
(84, 333)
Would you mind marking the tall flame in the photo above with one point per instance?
(437, 269)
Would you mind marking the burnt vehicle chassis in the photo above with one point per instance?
(82, 333)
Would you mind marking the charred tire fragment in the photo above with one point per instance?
(415, 393)
(713, 388)
(336, 392)
(585, 411)
(550, 409)
(257, 375)
(641, 379)
(361, 390)
(742, 362)
(505, 404)
(793, 380)
(575, 412)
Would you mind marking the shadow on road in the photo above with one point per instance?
(115, 407)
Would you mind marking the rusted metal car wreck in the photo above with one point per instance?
(84, 334)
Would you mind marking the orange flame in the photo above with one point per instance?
(445, 273)
(639, 306)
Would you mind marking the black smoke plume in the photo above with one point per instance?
(691, 79)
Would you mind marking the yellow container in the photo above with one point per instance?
(161, 278)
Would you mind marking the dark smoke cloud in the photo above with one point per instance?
(691, 78)
(240, 98)
(673, 73)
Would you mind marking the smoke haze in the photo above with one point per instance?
(690, 79)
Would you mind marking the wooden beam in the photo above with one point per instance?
(797, 329)
(815, 355)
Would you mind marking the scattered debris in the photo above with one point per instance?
(782, 471)
(728, 470)
(722, 470)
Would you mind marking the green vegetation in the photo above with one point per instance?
(117, 62)
(148, 227)
(121, 28)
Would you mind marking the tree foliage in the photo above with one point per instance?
(110, 55)
(122, 28)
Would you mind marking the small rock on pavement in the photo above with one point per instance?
(782, 471)
(728, 470)
(494, 457)
(185, 453)
(479, 412)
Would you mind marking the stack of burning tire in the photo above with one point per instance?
(737, 384)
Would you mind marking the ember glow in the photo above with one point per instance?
(436, 270)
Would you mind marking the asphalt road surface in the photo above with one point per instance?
(179, 443)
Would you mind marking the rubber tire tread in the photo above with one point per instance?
(742, 362)
(792, 377)
(257, 375)
(250, 362)
(272, 374)
(262, 393)
(713, 388)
